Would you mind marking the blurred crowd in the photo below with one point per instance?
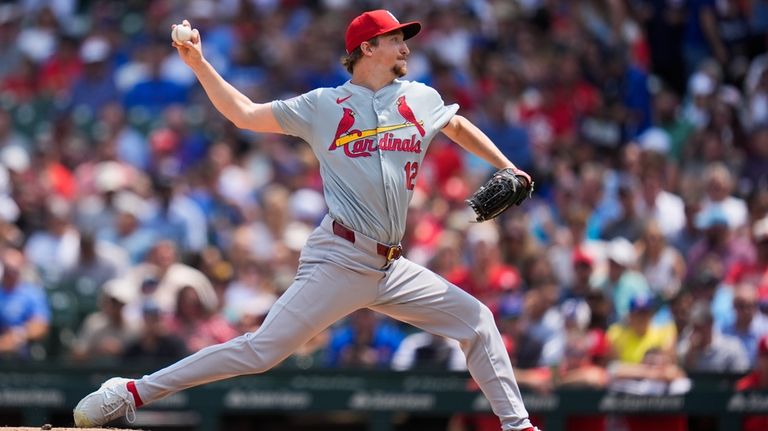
(137, 223)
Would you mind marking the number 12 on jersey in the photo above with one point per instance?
(411, 170)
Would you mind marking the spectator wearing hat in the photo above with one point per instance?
(583, 264)
(703, 348)
(718, 248)
(95, 87)
(24, 311)
(620, 281)
(99, 182)
(197, 325)
(702, 87)
(631, 338)
(170, 276)
(106, 333)
(155, 341)
(719, 186)
(756, 380)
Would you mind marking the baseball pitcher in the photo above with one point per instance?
(370, 136)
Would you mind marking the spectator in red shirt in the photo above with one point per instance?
(195, 324)
(59, 72)
(487, 277)
(757, 380)
(756, 271)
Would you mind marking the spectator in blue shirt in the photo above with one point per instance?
(24, 313)
(749, 324)
(155, 93)
(95, 88)
(364, 341)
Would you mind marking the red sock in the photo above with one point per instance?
(132, 389)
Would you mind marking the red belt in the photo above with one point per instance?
(391, 252)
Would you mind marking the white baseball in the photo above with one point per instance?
(181, 34)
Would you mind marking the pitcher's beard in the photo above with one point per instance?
(400, 71)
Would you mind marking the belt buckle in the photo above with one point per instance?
(394, 252)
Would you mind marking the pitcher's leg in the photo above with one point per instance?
(312, 303)
(413, 294)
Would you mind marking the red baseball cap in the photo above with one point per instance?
(581, 256)
(375, 23)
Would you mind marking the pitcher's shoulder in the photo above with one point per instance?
(410, 84)
(416, 87)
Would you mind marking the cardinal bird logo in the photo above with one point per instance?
(364, 143)
(406, 112)
(346, 123)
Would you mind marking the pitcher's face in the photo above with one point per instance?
(392, 50)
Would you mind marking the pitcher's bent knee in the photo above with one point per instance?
(483, 328)
(262, 357)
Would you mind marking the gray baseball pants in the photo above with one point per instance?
(336, 277)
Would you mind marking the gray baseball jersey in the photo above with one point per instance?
(370, 147)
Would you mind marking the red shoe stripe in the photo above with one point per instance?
(132, 389)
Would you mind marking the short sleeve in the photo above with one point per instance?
(441, 113)
(296, 115)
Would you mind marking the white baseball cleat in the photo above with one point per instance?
(111, 401)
